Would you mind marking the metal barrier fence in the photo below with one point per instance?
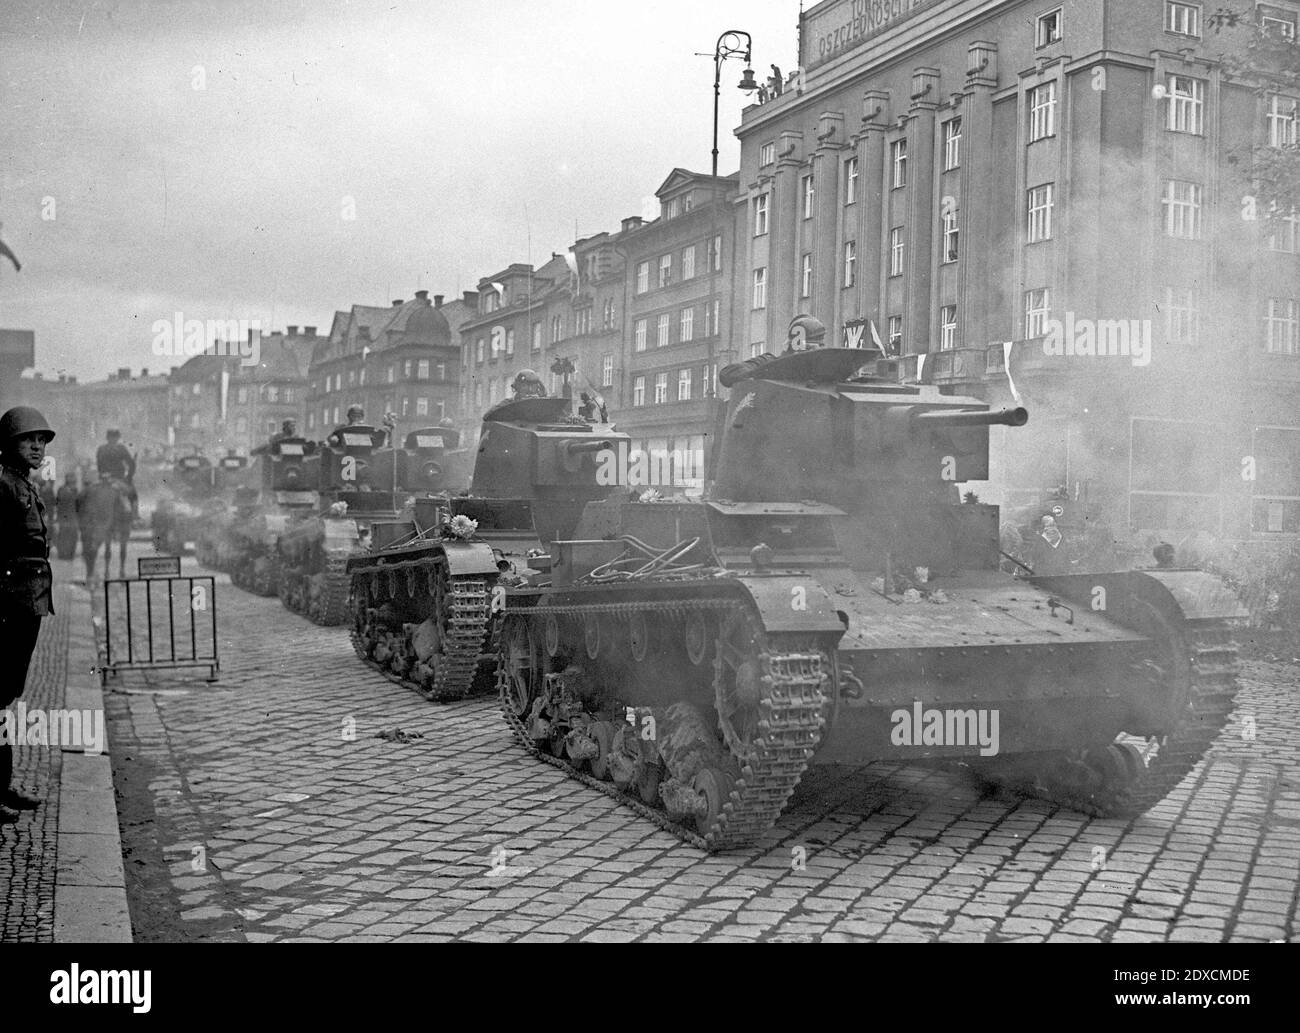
(155, 603)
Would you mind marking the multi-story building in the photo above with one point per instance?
(403, 360)
(951, 175)
(677, 329)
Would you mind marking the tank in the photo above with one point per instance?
(421, 596)
(186, 498)
(833, 599)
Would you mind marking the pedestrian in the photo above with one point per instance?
(25, 576)
(65, 511)
(116, 462)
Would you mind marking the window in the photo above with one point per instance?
(1182, 204)
(242, 396)
(272, 393)
(805, 277)
(241, 425)
(1040, 213)
(688, 262)
(537, 336)
(686, 324)
(491, 300)
(311, 420)
(1277, 22)
(1185, 108)
(442, 410)
(950, 236)
(1182, 317)
(478, 396)
(1282, 322)
(422, 369)
(895, 338)
(951, 144)
(898, 160)
(851, 181)
(688, 202)
(607, 370)
(361, 378)
(670, 209)
(661, 388)
(850, 263)
(406, 407)
(639, 335)
(1038, 309)
(557, 329)
(1049, 29)
(642, 277)
(1285, 235)
(287, 395)
(683, 385)
(392, 370)
(715, 253)
(712, 312)
(709, 380)
(809, 196)
(948, 327)
(492, 391)
(1182, 19)
(510, 341)
(1042, 111)
(478, 356)
(665, 270)
(896, 251)
(581, 324)
(422, 407)
(760, 215)
(661, 330)
(195, 389)
(441, 370)
(767, 154)
(760, 288)
(607, 317)
(1283, 117)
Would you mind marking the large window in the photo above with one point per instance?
(949, 253)
(1049, 29)
(1282, 326)
(895, 335)
(767, 154)
(422, 367)
(1182, 208)
(557, 328)
(1285, 233)
(715, 253)
(896, 251)
(1040, 213)
(661, 388)
(1283, 117)
(1182, 315)
(1042, 111)
(688, 262)
(665, 270)
(661, 330)
(1182, 19)
(686, 324)
(712, 312)
(607, 311)
(948, 327)
(1038, 309)
(760, 214)
(638, 390)
(537, 336)
(642, 277)
(684, 385)
(851, 181)
(805, 275)
(951, 144)
(850, 263)
(1279, 22)
(760, 288)
(639, 335)
(898, 163)
(1185, 106)
(607, 370)
(422, 407)
(809, 196)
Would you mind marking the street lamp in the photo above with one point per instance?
(729, 45)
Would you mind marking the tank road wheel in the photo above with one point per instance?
(592, 634)
(739, 682)
(638, 635)
(521, 666)
(551, 628)
(714, 787)
(647, 783)
(698, 635)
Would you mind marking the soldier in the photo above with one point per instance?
(116, 463)
(65, 509)
(288, 429)
(587, 408)
(528, 384)
(356, 418)
(25, 595)
(1164, 554)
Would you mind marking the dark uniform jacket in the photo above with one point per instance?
(115, 460)
(65, 503)
(25, 577)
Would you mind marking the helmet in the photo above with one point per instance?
(20, 420)
(114, 433)
(525, 376)
(528, 384)
(355, 409)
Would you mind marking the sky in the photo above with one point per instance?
(276, 160)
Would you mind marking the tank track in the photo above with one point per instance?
(463, 648)
(794, 697)
(1130, 791)
(332, 609)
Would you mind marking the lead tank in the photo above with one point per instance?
(834, 600)
(422, 595)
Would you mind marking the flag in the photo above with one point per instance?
(225, 392)
(920, 367)
(1006, 363)
(4, 250)
(875, 337)
(571, 260)
(500, 288)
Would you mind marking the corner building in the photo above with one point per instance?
(953, 175)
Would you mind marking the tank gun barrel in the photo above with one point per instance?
(577, 448)
(1016, 417)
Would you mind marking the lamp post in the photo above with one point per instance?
(729, 45)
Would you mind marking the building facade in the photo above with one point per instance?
(1060, 186)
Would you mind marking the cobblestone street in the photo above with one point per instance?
(305, 797)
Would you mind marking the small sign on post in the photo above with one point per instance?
(158, 566)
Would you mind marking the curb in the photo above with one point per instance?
(90, 903)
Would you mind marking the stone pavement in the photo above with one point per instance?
(268, 807)
(62, 864)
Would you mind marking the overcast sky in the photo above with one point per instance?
(199, 155)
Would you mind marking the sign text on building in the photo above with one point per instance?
(840, 27)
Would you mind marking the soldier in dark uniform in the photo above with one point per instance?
(356, 418)
(528, 384)
(116, 462)
(25, 576)
(587, 408)
(288, 429)
(65, 511)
